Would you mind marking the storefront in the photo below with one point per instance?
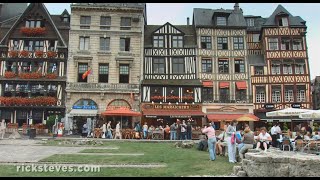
(166, 113)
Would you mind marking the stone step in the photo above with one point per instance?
(236, 169)
(241, 174)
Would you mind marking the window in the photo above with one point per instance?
(258, 70)
(276, 94)
(156, 94)
(206, 65)
(275, 69)
(288, 94)
(85, 22)
(221, 21)
(297, 44)
(241, 95)
(206, 42)
(207, 95)
(34, 23)
(287, 69)
(28, 45)
(255, 37)
(224, 95)
(105, 22)
(250, 22)
(222, 43)
(177, 41)
(104, 44)
(301, 93)
(124, 44)
(188, 94)
(283, 21)
(103, 73)
(84, 43)
(53, 68)
(158, 41)
(299, 66)
(125, 23)
(124, 73)
(239, 66)
(51, 45)
(32, 45)
(172, 94)
(238, 43)
(223, 66)
(178, 65)
(260, 95)
(285, 44)
(273, 44)
(158, 66)
(82, 68)
(65, 18)
(16, 45)
(38, 45)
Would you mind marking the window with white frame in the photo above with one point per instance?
(85, 22)
(250, 22)
(285, 44)
(287, 69)
(297, 44)
(276, 94)
(238, 43)
(104, 44)
(221, 21)
(239, 66)
(260, 95)
(299, 66)
(283, 21)
(105, 22)
(206, 42)
(125, 23)
(288, 94)
(84, 43)
(273, 44)
(301, 93)
(177, 41)
(158, 41)
(222, 43)
(275, 68)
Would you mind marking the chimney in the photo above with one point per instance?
(188, 21)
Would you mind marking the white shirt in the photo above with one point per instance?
(264, 137)
(273, 130)
(278, 129)
(104, 128)
(118, 128)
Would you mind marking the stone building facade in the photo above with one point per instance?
(106, 41)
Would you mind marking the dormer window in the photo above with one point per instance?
(283, 21)
(34, 23)
(250, 22)
(221, 21)
(65, 18)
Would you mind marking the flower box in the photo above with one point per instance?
(51, 54)
(13, 54)
(51, 76)
(37, 31)
(36, 101)
(9, 74)
(32, 75)
(24, 53)
(39, 54)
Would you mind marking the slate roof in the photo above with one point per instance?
(129, 5)
(190, 39)
(258, 22)
(256, 60)
(204, 18)
(293, 20)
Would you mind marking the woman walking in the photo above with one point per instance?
(231, 140)
(211, 133)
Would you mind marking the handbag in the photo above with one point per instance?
(233, 138)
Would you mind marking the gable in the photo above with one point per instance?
(168, 29)
(35, 11)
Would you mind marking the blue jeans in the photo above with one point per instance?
(189, 135)
(212, 148)
(145, 134)
(109, 135)
(173, 135)
(183, 135)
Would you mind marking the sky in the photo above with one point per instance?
(177, 13)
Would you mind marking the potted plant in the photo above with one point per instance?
(9, 74)
(13, 53)
(51, 54)
(51, 76)
(24, 53)
(37, 31)
(39, 54)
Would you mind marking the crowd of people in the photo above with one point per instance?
(246, 139)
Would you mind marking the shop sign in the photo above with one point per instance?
(177, 116)
(269, 106)
(296, 105)
(284, 120)
(84, 107)
(151, 116)
(177, 107)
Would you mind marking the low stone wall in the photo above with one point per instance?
(277, 163)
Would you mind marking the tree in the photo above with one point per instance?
(285, 126)
(315, 127)
(50, 122)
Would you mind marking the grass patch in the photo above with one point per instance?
(180, 162)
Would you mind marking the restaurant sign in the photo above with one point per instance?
(177, 116)
(177, 107)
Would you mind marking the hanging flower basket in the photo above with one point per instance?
(9, 74)
(39, 54)
(51, 54)
(51, 76)
(24, 53)
(37, 31)
(13, 54)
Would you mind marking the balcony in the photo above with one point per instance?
(243, 99)
(33, 54)
(103, 87)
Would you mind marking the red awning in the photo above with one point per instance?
(207, 83)
(224, 84)
(230, 117)
(172, 113)
(120, 112)
(241, 85)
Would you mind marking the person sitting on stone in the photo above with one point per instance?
(248, 141)
(220, 142)
(263, 140)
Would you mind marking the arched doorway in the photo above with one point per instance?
(125, 120)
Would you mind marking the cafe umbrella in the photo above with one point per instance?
(121, 111)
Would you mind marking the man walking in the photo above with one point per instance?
(109, 131)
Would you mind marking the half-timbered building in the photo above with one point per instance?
(104, 66)
(282, 78)
(33, 58)
(170, 88)
(222, 63)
